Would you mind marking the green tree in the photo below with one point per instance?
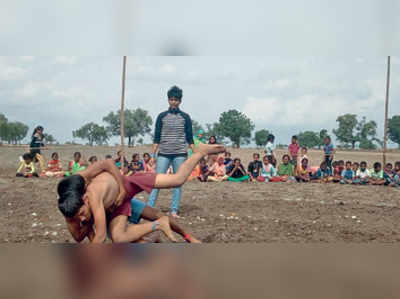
(309, 139)
(236, 126)
(196, 126)
(394, 129)
(137, 122)
(49, 138)
(3, 126)
(140, 141)
(14, 132)
(260, 137)
(366, 133)
(322, 135)
(93, 133)
(345, 132)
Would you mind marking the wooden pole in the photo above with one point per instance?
(121, 114)
(386, 112)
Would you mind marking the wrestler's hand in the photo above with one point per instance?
(121, 196)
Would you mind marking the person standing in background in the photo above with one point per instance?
(173, 135)
(36, 144)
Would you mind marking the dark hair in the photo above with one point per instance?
(341, 162)
(134, 156)
(92, 158)
(36, 129)
(305, 159)
(377, 164)
(328, 137)
(335, 163)
(349, 162)
(70, 191)
(175, 92)
(294, 137)
(108, 157)
(209, 139)
(363, 163)
(228, 153)
(53, 154)
(304, 147)
(202, 160)
(323, 164)
(146, 154)
(77, 154)
(286, 156)
(271, 138)
(27, 156)
(356, 163)
(389, 164)
(236, 159)
(256, 154)
(120, 151)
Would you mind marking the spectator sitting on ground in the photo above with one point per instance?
(348, 174)
(377, 175)
(26, 168)
(286, 170)
(218, 172)
(254, 168)
(237, 173)
(54, 168)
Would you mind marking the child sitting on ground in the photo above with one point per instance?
(355, 167)
(286, 170)
(237, 173)
(323, 174)
(54, 168)
(228, 160)
(347, 174)
(268, 171)
(338, 170)
(254, 168)
(136, 160)
(148, 163)
(362, 175)
(396, 178)
(92, 160)
(302, 172)
(217, 171)
(204, 172)
(119, 162)
(294, 150)
(377, 175)
(388, 175)
(75, 165)
(26, 169)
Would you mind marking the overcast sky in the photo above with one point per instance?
(296, 66)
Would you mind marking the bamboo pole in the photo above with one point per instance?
(121, 115)
(386, 112)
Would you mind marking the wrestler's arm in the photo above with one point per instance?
(99, 218)
(108, 166)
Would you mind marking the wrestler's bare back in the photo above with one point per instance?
(105, 188)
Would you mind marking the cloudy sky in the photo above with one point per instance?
(288, 66)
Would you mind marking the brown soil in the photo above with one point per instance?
(223, 212)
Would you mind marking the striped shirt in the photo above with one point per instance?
(173, 133)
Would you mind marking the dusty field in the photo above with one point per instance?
(261, 212)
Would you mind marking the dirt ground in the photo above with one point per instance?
(220, 212)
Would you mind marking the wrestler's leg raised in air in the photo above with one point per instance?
(165, 181)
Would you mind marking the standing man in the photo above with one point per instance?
(173, 134)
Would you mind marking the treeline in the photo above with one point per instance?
(15, 132)
(235, 127)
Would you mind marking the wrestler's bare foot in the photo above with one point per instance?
(165, 228)
(209, 149)
(194, 240)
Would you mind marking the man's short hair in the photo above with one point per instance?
(175, 92)
(70, 191)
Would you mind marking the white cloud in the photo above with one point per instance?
(28, 58)
(32, 89)
(273, 84)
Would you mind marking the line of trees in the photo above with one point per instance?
(137, 123)
(15, 132)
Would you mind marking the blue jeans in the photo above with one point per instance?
(162, 166)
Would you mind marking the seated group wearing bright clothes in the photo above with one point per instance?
(218, 171)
